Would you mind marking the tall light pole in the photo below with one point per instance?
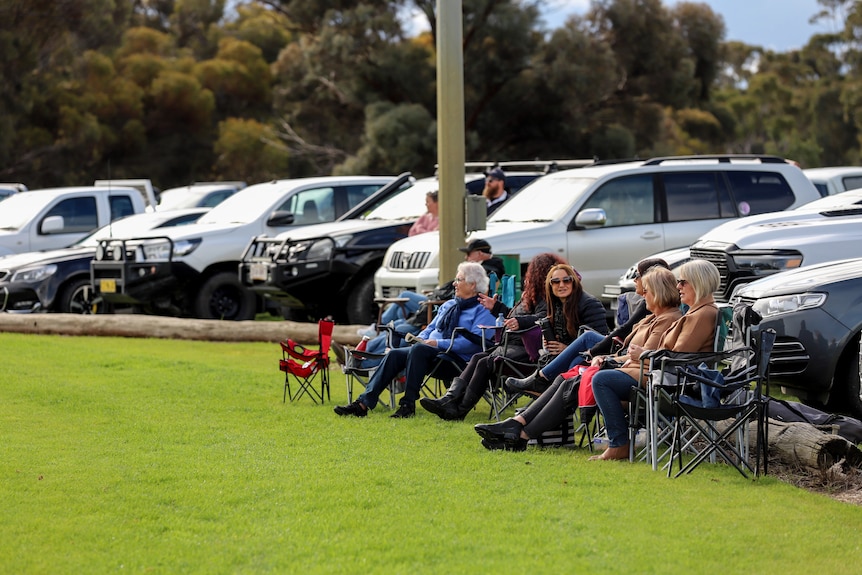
(450, 134)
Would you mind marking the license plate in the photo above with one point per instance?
(257, 272)
(108, 286)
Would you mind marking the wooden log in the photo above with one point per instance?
(805, 445)
(139, 325)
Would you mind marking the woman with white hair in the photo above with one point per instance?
(463, 311)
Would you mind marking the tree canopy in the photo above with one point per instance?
(185, 90)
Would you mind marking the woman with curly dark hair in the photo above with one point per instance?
(568, 307)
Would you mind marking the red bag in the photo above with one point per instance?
(585, 391)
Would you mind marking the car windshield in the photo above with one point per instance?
(408, 204)
(245, 206)
(178, 199)
(20, 209)
(544, 200)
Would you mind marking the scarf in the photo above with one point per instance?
(449, 320)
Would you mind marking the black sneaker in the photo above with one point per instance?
(404, 411)
(354, 408)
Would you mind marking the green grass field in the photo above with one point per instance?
(155, 456)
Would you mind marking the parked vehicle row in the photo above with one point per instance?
(329, 269)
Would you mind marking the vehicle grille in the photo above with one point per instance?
(719, 259)
(408, 261)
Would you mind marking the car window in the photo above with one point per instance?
(759, 192)
(311, 206)
(79, 214)
(121, 206)
(357, 194)
(852, 182)
(627, 200)
(695, 196)
(821, 187)
(215, 198)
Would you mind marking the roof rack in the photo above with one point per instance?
(722, 159)
(546, 166)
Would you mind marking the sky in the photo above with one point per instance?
(779, 25)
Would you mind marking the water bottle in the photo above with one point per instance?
(500, 320)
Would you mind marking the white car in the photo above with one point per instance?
(199, 195)
(835, 180)
(602, 218)
(825, 230)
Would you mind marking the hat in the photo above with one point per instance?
(497, 174)
(474, 245)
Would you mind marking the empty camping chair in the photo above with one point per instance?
(304, 365)
(718, 423)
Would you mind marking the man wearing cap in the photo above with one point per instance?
(479, 251)
(495, 191)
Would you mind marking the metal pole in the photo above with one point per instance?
(450, 134)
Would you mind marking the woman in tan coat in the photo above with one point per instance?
(693, 332)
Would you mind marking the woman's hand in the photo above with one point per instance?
(431, 342)
(555, 347)
(511, 324)
(597, 361)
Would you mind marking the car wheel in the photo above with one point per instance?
(361, 309)
(222, 296)
(848, 378)
(79, 297)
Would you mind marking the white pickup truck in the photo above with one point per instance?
(58, 217)
(192, 270)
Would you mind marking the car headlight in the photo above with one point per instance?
(320, 249)
(185, 247)
(34, 274)
(771, 306)
(160, 250)
(767, 262)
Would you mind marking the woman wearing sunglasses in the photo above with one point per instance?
(693, 332)
(590, 343)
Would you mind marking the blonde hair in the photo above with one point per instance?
(703, 277)
(661, 283)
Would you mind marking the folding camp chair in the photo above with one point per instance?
(644, 404)
(723, 428)
(504, 367)
(304, 364)
(356, 372)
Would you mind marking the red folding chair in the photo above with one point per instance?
(304, 365)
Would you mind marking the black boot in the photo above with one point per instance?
(507, 430)
(446, 405)
(533, 383)
(468, 402)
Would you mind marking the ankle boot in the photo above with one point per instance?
(448, 402)
(533, 382)
(468, 402)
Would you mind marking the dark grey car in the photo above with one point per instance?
(816, 312)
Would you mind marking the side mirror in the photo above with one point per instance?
(280, 218)
(591, 218)
(52, 225)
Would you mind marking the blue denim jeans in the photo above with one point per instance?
(377, 344)
(396, 311)
(611, 387)
(416, 361)
(571, 356)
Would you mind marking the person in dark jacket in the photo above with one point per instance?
(588, 344)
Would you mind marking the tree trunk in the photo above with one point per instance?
(138, 325)
(806, 445)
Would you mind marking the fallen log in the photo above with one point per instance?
(139, 325)
(805, 445)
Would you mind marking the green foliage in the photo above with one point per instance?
(178, 456)
(342, 85)
(251, 148)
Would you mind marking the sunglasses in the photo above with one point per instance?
(565, 280)
(637, 275)
(682, 283)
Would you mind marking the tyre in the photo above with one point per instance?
(222, 296)
(361, 309)
(848, 379)
(78, 296)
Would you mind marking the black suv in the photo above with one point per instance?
(328, 269)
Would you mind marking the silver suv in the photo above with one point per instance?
(605, 216)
